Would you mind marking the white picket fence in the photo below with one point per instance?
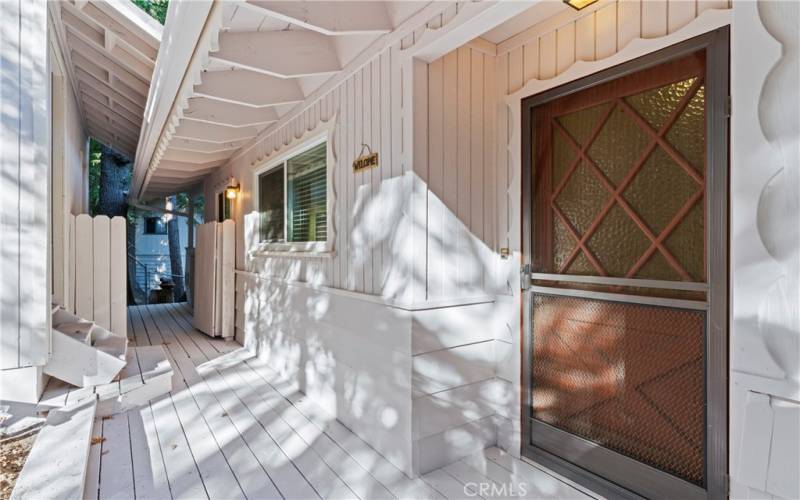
(98, 271)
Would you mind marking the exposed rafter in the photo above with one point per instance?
(330, 18)
(205, 146)
(111, 49)
(302, 53)
(211, 132)
(225, 113)
(248, 88)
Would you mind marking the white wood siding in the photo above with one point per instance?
(460, 174)
(24, 184)
(368, 205)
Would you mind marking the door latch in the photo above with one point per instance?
(525, 276)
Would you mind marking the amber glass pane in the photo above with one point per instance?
(563, 244)
(657, 268)
(656, 105)
(580, 123)
(688, 134)
(563, 156)
(659, 190)
(687, 242)
(618, 242)
(618, 146)
(582, 198)
(629, 377)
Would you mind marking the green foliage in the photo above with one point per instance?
(95, 159)
(157, 9)
(199, 202)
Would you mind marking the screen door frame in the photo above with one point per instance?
(616, 475)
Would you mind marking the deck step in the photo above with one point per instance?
(147, 375)
(84, 353)
(56, 466)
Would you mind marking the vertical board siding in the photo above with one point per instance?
(24, 183)
(460, 134)
(368, 205)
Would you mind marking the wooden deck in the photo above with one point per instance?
(231, 429)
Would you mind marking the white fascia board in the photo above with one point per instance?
(186, 23)
(436, 43)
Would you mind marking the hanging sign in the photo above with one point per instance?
(365, 161)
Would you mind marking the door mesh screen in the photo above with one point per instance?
(627, 376)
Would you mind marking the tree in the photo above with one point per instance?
(157, 9)
(175, 264)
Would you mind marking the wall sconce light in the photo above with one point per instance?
(232, 191)
(579, 4)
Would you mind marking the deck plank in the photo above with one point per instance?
(354, 475)
(91, 487)
(324, 480)
(116, 478)
(289, 481)
(234, 428)
(149, 473)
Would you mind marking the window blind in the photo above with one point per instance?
(306, 188)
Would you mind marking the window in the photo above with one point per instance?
(154, 225)
(293, 197)
(223, 207)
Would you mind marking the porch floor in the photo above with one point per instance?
(232, 429)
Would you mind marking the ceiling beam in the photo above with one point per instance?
(194, 156)
(248, 88)
(136, 88)
(109, 113)
(130, 102)
(189, 167)
(302, 53)
(170, 181)
(101, 58)
(112, 105)
(146, 41)
(111, 141)
(329, 18)
(181, 174)
(225, 113)
(205, 146)
(211, 132)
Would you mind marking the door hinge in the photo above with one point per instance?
(728, 106)
(525, 276)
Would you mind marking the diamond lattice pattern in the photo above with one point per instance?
(628, 179)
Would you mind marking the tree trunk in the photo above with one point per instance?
(175, 253)
(115, 177)
(114, 183)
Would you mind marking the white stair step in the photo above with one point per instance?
(151, 378)
(84, 353)
(56, 466)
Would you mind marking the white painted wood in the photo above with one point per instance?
(304, 52)
(71, 282)
(149, 473)
(84, 267)
(249, 88)
(205, 277)
(101, 270)
(211, 111)
(69, 430)
(227, 290)
(91, 487)
(343, 18)
(116, 478)
(118, 268)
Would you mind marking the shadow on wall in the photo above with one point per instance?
(367, 363)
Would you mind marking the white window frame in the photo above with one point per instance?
(322, 134)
